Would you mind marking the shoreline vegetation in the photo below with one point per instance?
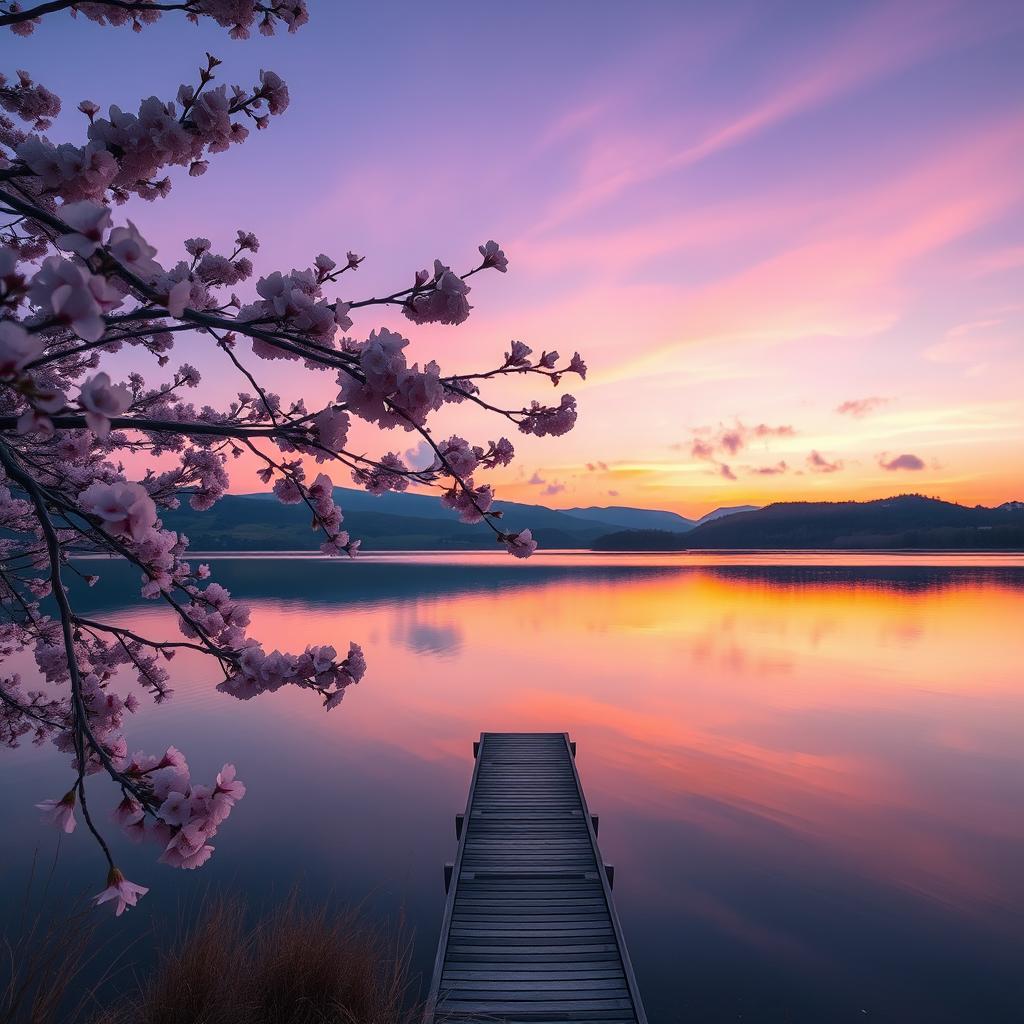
(415, 522)
(296, 964)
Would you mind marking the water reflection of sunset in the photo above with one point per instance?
(825, 709)
(809, 775)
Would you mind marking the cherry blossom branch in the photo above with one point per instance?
(80, 723)
(238, 17)
(75, 289)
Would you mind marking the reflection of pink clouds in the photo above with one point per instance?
(862, 726)
(717, 742)
(695, 903)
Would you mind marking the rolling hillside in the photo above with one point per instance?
(389, 522)
(906, 521)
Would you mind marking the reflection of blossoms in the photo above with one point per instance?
(83, 299)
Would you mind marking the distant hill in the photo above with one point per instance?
(907, 521)
(726, 510)
(634, 518)
(387, 522)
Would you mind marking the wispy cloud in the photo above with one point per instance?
(860, 407)
(817, 463)
(777, 470)
(714, 444)
(850, 60)
(732, 439)
(897, 462)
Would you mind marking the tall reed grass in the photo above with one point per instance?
(299, 964)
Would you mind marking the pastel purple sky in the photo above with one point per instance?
(744, 215)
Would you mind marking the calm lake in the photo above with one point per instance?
(809, 770)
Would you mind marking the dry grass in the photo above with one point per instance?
(41, 967)
(44, 957)
(297, 966)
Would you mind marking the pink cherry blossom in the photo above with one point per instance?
(445, 303)
(73, 296)
(60, 813)
(128, 812)
(90, 220)
(133, 252)
(550, 421)
(29, 101)
(382, 360)
(518, 354)
(274, 91)
(470, 502)
(341, 317)
(84, 303)
(179, 297)
(101, 400)
(418, 393)
(332, 426)
(120, 889)
(520, 544)
(176, 809)
(125, 509)
(462, 458)
(494, 257)
(187, 858)
(17, 348)
(228, 785)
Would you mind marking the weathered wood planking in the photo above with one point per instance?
(529, 931)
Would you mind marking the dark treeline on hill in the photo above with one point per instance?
(406, 522)
(907, 521)
(397, 522)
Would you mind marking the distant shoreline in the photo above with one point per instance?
(849, 556)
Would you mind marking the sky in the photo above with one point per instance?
(788, 239)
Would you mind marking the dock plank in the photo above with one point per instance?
(530, 931)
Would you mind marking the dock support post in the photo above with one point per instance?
(595, 820)
(609, 870)
(448, 869)
(460, 820)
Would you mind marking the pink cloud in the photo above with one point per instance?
(852, 59)
(860, 407)
(905, 461)
(819, 464)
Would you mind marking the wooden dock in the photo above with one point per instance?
(530, 931)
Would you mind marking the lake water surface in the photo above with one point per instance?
(809, 769)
